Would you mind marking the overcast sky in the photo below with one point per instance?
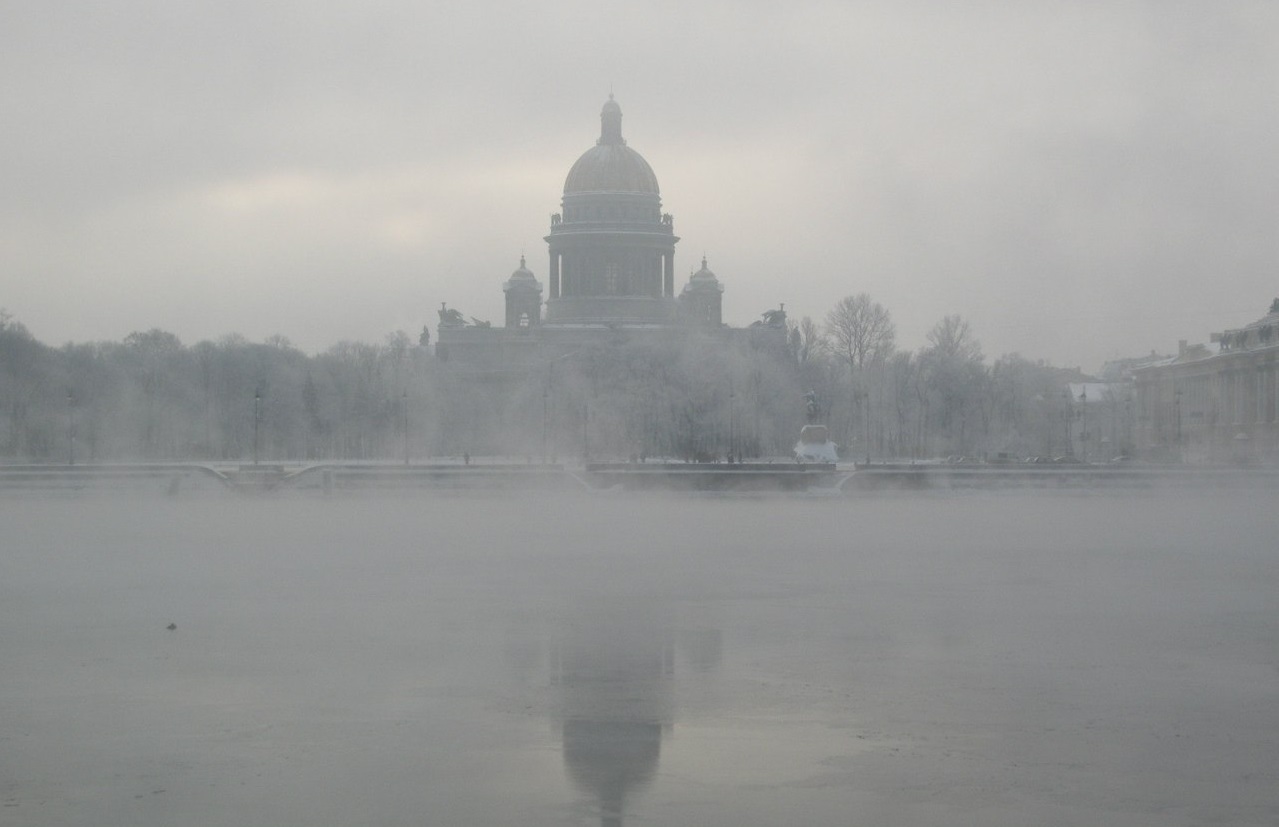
(1080, 180)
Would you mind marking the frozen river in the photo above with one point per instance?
(1045, 658)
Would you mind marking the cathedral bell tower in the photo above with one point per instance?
(702, 298)
(523, 298)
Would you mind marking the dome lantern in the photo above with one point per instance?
(523, 298)
(610, 165)
(611, 249)
(611, 123)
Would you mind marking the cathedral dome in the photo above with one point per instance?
(606, 168)
(610, 165)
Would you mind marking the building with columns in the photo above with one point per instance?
(1217, 402)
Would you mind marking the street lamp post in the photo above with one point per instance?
(732, 431)
(404, 418)
(257, 421)
(866, 419)
(1176, 404)
(70, 428)
(1128, 445)
(1067, 411)
(1083, 432)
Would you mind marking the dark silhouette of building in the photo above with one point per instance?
(611, 274)
(608, 357)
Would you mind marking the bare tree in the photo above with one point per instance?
(951, 338)
(957, 379)
(861, 332)
(807, 341)
(23, 373)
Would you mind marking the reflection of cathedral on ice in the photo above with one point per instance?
(614, 679)
(615, 665)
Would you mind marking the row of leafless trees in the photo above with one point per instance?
(149, 397)
(152, 397)
(883, 401)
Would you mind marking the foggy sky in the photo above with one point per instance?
(1082, 181)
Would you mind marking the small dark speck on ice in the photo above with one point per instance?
(171, 626)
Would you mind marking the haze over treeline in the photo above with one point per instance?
(154, 397)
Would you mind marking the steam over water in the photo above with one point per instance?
(960, 658)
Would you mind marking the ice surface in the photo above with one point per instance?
(960, 658)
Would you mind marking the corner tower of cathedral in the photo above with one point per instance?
(612, 249)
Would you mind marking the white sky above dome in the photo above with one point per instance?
(1081, 181)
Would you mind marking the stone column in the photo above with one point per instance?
(555, 275)
(1274, 392)
(668, 276)
(1258, 395)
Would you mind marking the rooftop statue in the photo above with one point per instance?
(451, 317)
(773, 318)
